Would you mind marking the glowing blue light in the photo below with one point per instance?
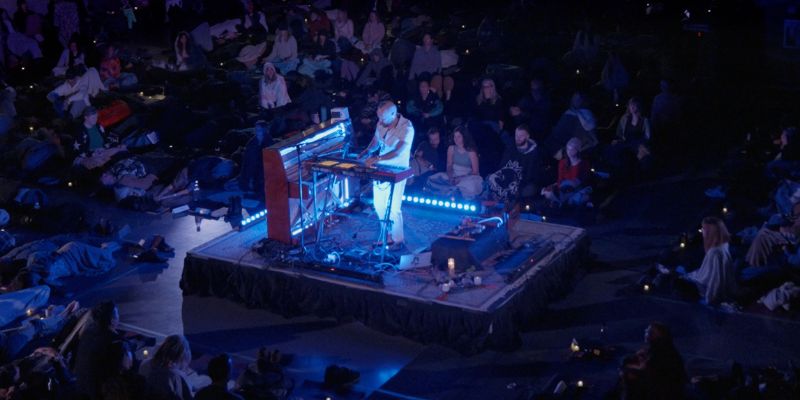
(473, 208)
(447, 204)
(404, 197)
(428, 201)
(460, 206)
(441, 203)
(415, 199)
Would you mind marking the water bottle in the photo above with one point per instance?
(195, 191)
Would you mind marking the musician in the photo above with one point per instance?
(394, 135)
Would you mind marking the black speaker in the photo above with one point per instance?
(469, 253)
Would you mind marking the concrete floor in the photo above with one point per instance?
(151, 302)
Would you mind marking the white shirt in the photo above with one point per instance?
(390, 137)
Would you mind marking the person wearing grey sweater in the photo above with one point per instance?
(426, 59)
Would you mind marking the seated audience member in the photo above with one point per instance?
(188, 56)
(123, 382)
(128, 178)
(251, 174)
(520, 171)
(767, 247)
(93, 148)
(263, 377)
(454, 100)
(372, 35)
(427, 60)
(534, 110)
(614, 77)
(165, 374)
(462, 176)
(378, 72)
(488, 107)
(93, 364)
(284, 52)
(786, 163)
(18, 43)
(320, 56)
(71, 57)
(8, 111)
(34, 153)
(429, 158)
(272, 89)
(343, 31)
(254, 21)
(111, 70)
(666, 110)
(631, 146)
(716, 277)
(572, 186)
(425, 108)
(318, 22)
(577, 122)
(71, 97)
(219, 370)
(656, 371)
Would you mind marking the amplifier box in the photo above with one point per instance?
(468, 253)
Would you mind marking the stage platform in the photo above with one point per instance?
(406, 302)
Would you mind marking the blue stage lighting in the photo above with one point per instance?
(447, 204)
(473, 208)
(428, 201)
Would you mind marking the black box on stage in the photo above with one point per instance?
(469, 253)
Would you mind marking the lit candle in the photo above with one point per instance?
(527, 207)
(451, 266)
(574, 346)
(69, 184)
(30, 128)
(577, 72)
(646, 288)
(724, 210)
(145, 352)
(29, 312)
(580, 384)
(683, 244)
(445, 287)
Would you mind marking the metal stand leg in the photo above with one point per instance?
(387, 222)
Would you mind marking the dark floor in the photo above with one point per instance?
(633, 234)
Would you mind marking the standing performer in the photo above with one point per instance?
(393, 137)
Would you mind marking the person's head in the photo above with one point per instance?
(72, 76)
(269, 72)
(537, 86)
(666, 86)
(173, 353)
(22, 5)
(183, 38)
(461, 138)
(715, 233)
(788, 135)
(106, 315)
(90, 116)
(577, 101)
(488, 90)
(342, 16)
(434, 137)
(373, 17)
(219, 369)
(120, 356)
(73, 45)
(427, 40)
(424, 88)
(574, 148)
(521, 135)
(635, 106)
(387, 112)
(656, 333)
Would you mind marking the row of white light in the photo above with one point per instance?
(440, 203)
(254, 217)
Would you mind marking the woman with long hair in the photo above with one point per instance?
(462, 174)
(165, 374)
(572, 186)
(716, 277)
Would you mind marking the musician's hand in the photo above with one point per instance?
(370, 162)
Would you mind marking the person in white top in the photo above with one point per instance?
(272, 89)
(393, 138)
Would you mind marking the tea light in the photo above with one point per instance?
(445, 287)
(683, 244)
(579, 384)
(574, 346)
(466, 52)
(145, 352)
(463, 27)
(29, 312)
(646, 288)
(527, 207)
(724, 210)
(23, 68)
(478, 281)
(30, 128)
(69, 184)
(544, 218)
(451, 265)
(577, 72)
(141, 93)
